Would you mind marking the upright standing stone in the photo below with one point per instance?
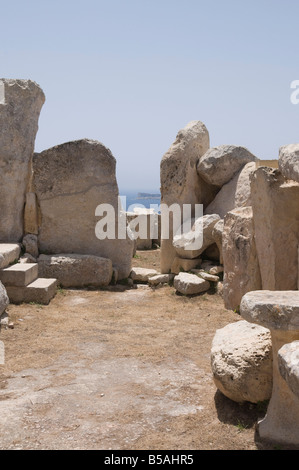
(20, 108)
(241, 267)
(71, 180)
(180, 183)
(275, 204)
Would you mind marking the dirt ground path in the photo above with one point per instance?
(119, 369)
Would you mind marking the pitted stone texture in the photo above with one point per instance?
(289, 161)
(276, 310)
(288, 363)
(4, 300)
(73, 270)
(19, 116)
(220, 164)
(71, 180)
(190, 284)
(241, 360)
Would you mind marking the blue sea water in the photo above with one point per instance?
(132, 200)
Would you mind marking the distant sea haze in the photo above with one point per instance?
(144, 198)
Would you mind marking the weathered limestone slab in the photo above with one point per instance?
(220, 164)
(75, 270)
(180, 183)
(288, 363)
(275, 204)
(241, 360)
(160, 279)
(184, 264)
(236, 193)
(19, 113)
(241, 267)
(40, 291)
(71, 180)
(190, 284)
(9, 253)
(289, 161)
(279, 312)
(19, 274)
(142, 274)
(201, 230)
(4, 300)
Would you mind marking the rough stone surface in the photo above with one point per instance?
(180, 183)
(31, 214)
(288, 362)
(220, 164)
(201, 229)
(19, 275)
(9, 253)
(40, 291)
(276, 310)
(241, 267)
(160, 279)
(18, 127)
(4, 300)
(236, 193)
(289, 161)
(204, 275)
(70, 181)
(190, 284)
(142, 274)
(276, 221)
(241, 359)
(75, 270)
(30, 245)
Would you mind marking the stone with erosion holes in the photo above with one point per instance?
(192, 242)
(74, 270)
(190, 284)
(4, 300)
(142, 274)
(220, 164)
(19, 114)
(241, 361)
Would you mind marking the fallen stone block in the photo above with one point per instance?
(160, 279)
(142, 274)
(190, 284)
(75, 270)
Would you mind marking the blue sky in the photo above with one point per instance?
(132, 73)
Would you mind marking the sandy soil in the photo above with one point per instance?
(119, 369)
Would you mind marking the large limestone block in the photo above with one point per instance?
(200, 233)
(9, 253)
(4, 300)
(236, 193)
(288, 363)
(190, 284)
(241, 361)
(74, 270)
(19, 113)
(70, 181)
(275, 204)
(289, 161)
(241, 266)
(180, 183)
(220, 164)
